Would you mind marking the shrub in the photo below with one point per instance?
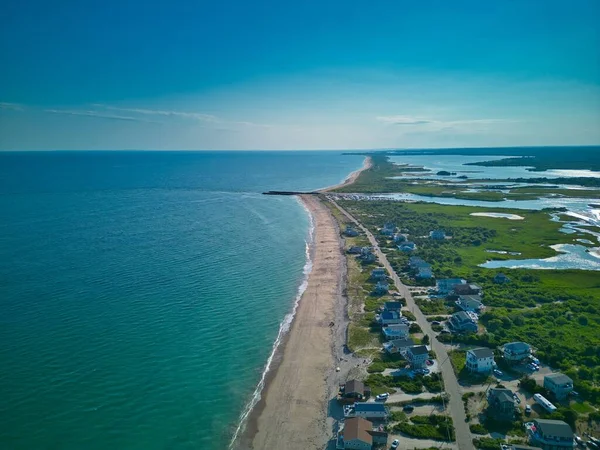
(477, 428)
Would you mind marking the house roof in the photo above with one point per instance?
(466, 288)
(358, 428)
(554, 428)
(450, 281)
(462, 316)
(392, 305)
(387, 315)
(396, 327)
(517, 347)
(559, 378)
(401, 343)
(482, 352)
(502, 395)
(419, 350)
(369, 407)
(354, 386)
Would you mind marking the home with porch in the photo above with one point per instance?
(392, 306)
(396, 331)
(501, 404)
(516, 352)
(446, 285)
(350, 231)
(550, 434)
(357, 433)
(398, 346)
(559, 384)
(370, 410)
(467, 289)
(480, 360)
(417, 355)
(390, 318)
(381, 288)
(354, 390)
(462, 322)
(470, 303)
(399, 237)
(378, 274)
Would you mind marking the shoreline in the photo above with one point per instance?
(351, 178)
(262, 427)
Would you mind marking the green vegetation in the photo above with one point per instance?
(486, 443)
(556, 311)
(427, 427)
(416, 385)
(477, 428)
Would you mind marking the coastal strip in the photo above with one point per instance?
(256, 429)
(294, 404)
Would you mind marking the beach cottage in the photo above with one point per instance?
(480, 360)
(396, 331)
(470, 303)
(559, 384)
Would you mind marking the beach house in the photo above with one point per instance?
(350, 231)
(396, 331)
(550, 434)
(389, 229)
(357, 433)
(354, 390)
(398, 346)
(446, 285)
(381, 288)
(516, 352)
(367, 256)
(467, 289)
(407, 247)
(480, 360)
(392, 306)
(417, 355)
(559, 384)
(501, 279)
(470, 303)
(378, 274)
(415, 262)
(439, 235)
(390, 318)
(462, 322)
(424, 273)
(399, 237)
(367, 411)
(501, 404)
(354, 250)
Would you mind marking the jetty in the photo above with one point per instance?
(290, 193)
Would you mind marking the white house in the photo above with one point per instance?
(480, 360)
(398, 346)
(559, 384)
(368, 410)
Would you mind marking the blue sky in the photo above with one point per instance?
(298, 75)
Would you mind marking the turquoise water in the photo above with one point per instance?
(141, 293)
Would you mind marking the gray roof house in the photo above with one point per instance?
(515, 352)
(437, 234)
(445, 286)
(392, 306)
(501, 279)
(417, 355)
(378, 274)
(471, 303)
(480, 360)
(551, 434)
(395, 331)
(559, 384)
(501, 404)
(398, 345)
(462, 322)
(467, 289)
(381, 288)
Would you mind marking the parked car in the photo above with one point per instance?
(528, 409)
(444, 332)
(408, 408)
(535, 360)
(383, 396)
(429, 362)
(517, 399)
(395, 444)
(436, 322)
(531, 367)
(574, 393)
(498, 373)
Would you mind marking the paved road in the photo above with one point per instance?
(457, 411)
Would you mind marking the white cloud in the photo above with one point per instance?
(11, 106)
(403, 120)
(91, 113)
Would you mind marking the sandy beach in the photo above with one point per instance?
(367, 163)
(294, 408)
(295, 402)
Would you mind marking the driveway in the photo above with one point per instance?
(461, 427)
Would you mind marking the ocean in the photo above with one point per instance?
(141, 293)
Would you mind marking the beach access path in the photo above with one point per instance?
(295, 402)
(461, 427)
